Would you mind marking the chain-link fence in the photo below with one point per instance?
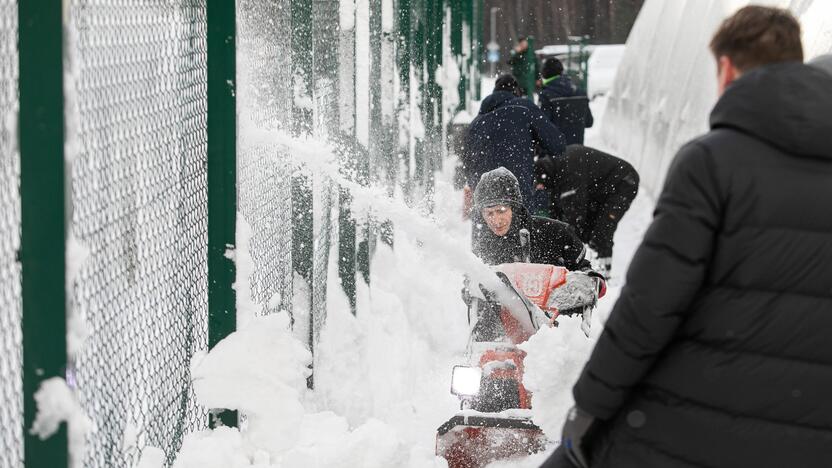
(265, 93)
(139, 207)
(137, 87)
(11, 391)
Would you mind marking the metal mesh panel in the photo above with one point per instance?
(139, 203)
(265, 101)
(11, 391)
(323, 195)
(325, 91)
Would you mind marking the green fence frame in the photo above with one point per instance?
(222, 177)
(43, 217)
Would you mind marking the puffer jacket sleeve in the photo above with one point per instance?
(665, 275)
(550, 137)
(574, 251)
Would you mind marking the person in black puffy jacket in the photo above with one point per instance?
(498, 217)
(717, 352)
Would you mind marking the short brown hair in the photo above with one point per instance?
(758, 35)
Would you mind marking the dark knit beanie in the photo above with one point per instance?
(506, 83)
(551, 67)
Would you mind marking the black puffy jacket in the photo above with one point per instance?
(717, 353)
(505, 133)
(581, 181)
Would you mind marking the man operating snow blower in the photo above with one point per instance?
(499, 217)
(535, 260)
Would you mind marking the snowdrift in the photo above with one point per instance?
(666, 83)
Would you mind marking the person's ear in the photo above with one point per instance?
(727, 73)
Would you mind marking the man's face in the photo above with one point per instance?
(498, 218)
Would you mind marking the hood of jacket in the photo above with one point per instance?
(495, 100)
(788, 105)
(498, 187)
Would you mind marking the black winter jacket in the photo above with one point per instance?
(505, 133)
(581, 181)
(571, 116)
(717, 353)
(552, 242)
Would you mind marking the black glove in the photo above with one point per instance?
(574, 438)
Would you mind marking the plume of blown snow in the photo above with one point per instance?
(554, 360)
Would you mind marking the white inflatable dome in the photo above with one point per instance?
(666, 84)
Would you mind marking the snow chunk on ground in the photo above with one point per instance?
(58, 404)
(261, 371)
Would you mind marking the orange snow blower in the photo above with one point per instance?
(494, 421)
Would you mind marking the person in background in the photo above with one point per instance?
(716, 353)
(564, 103)
(590, 190)
(524, 66)
(506, 133)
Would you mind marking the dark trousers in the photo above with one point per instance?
(604, 219)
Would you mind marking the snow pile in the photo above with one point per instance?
(58, 404)
(392, 361)
(603, 65)
(554, 360)
(261, 371)
(666, 84)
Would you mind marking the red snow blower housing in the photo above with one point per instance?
(495, 418)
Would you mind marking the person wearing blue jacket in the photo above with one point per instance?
(564, 103)
(506, 133)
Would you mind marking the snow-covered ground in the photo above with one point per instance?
(382, 377)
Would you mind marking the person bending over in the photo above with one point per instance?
(590, 190)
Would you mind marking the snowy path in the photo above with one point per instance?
(383, 376)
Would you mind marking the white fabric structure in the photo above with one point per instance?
(666, 83)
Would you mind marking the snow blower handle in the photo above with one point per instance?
(526, 245)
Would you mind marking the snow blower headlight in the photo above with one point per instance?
(465, 381)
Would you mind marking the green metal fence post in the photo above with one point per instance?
(529, 77)
(403, 57)
(346, 106)
(222, 177)
(43, 218)
(303, 229)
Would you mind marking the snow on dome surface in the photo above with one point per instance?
(666, 83)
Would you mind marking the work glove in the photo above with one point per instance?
(574, 437)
